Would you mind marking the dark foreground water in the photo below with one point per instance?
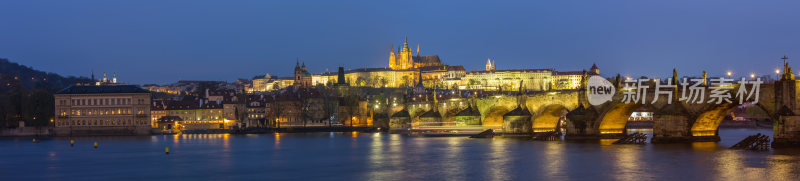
(380, 156)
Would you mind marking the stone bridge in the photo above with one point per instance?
(677, 121)
(549, 108)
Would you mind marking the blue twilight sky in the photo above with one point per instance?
(165, 41)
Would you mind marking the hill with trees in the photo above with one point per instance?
(27, 94)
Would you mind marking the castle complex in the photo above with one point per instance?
(406, 68)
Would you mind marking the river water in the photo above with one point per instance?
(381, 156)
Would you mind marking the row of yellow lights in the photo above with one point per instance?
(204, 122)
(729, 73)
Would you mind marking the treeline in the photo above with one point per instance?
(27, 94)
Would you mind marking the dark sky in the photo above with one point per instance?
(165, 41)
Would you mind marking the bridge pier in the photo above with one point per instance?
(671, 129)
(400, 121)
(786, 131)
(381, 121)
(671, 125)
(518, 122)
(582, 123)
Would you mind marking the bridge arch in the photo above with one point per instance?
(449, 110)
(706, 126)
(614, 120)
(550, 107)
(494, 116)
(548, 117)
(492, 109)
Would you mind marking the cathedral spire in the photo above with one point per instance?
(405, 45)
(420, 76)
(392, 58)
(419, 80)
(418, 50)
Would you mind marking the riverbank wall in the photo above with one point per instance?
(27, 131)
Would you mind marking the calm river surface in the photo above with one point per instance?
(381, 156)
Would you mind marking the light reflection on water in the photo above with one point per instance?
(456, 167)
(498, 159)
(380, 156)
(554, 159)
(628, 163)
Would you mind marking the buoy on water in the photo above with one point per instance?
(166, 150)
(34, 140)
(95, 145)
(71, 143)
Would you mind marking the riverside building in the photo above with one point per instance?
(106, 108)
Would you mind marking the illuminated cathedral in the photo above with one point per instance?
(404, 60)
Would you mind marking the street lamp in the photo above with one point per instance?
(729, 74)
(777, 74)
(752, 75)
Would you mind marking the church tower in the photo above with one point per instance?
(404, 60)
(297, 70)
(392, 61)
(490, 65)
(301, 76)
